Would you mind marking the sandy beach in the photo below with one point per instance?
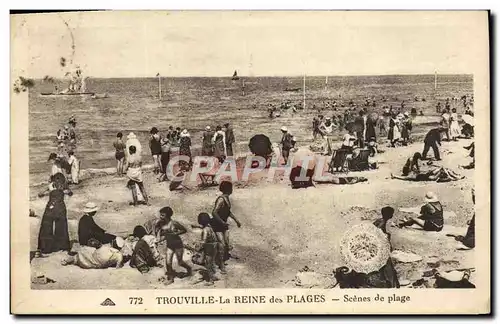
(281, 233)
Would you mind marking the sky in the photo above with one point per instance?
(142, 44)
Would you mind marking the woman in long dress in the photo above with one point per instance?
(185, 149)
(53, 235)
(454, 126)
(219, 140)
(134, 174)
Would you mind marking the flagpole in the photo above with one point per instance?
(159, 86)
(304, 92)
(435, 80)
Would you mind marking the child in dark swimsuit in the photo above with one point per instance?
(170, 233)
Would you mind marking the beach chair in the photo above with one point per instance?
(207, 178)
(339, 163)
(360, 162)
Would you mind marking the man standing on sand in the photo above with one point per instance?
(119, 153)
(286, 144)
(432, 139)
(229, 139)
(360, 124)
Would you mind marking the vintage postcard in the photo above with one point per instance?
(239, 162)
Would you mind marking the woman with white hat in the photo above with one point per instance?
(431, 215)
(89, 230)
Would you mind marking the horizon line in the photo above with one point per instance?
(265, 76)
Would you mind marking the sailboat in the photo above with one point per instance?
(235, 76)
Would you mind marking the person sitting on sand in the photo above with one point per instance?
(468, 241)
(412, 165)
(134, 174)
(145, 255)
(372, 146)
(170, 232)
(89, 230)
(211, 249)
(432, 139)
(431, 215)
(119, 153)
(387, 214)
(101, 256)
(221, 214)
(75, 167)
(348, 141)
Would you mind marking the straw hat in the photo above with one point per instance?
(284, 129)
(184, 133)
(406, 114)
(365, 248)
(131, 135)
(90, 207)
(430, 197)
(207, 128)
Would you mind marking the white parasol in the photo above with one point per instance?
(468, 119)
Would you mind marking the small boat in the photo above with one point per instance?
(235, 76)
(293, 89)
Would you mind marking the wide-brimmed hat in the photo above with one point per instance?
(431, 197)
(207, 128)
(90, 207)
(66, 127)
(284, 129)
(328, 118)
(406, 114)
(365, 248)
(131, 135)
(184, 133)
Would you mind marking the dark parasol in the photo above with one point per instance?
(260, 145)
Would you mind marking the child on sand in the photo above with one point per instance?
(170, 232)
(211, 248)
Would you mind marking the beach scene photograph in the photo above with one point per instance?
(202, 150)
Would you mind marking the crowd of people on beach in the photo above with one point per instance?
(156, 242)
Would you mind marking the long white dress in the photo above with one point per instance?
(454, 126)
